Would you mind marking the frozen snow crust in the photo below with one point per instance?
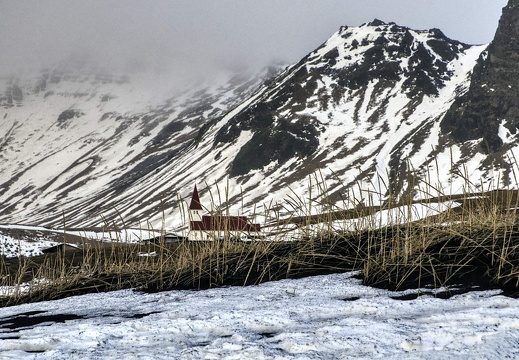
(322, 317)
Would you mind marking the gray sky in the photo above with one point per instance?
(204, 35)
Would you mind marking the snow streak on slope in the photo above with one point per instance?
(323, 317)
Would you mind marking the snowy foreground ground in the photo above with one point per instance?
(322, 317)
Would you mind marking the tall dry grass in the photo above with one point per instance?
(473, 240)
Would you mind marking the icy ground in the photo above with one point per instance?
(322, 317)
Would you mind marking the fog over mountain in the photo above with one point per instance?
(191, 40)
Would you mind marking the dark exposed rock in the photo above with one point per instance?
(42, 85)
(492, 98)
(65, 116)
(281, 143)
(377, 22)
(106, 97)
(274, 138)
(13, 94)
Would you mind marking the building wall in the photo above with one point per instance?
(209, 228)
(200, 235)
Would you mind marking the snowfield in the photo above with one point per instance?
(322, 317)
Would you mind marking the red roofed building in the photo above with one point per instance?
(210, 227)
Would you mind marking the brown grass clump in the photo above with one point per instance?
(473, 243)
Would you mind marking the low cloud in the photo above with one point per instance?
(196, 38)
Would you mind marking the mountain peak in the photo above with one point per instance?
(506, 40)
(376, 22)
(346, 83)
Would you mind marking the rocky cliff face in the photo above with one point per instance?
(489, 112)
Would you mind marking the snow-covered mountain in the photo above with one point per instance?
(81, 144)
(364, 110)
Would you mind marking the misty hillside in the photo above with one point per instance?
(363, 110)
(85, 143)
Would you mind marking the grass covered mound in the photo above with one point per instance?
(473, 244)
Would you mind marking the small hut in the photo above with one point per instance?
(62, 247)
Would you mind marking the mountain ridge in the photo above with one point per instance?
(362, 110)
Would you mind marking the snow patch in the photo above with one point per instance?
(321, 317)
